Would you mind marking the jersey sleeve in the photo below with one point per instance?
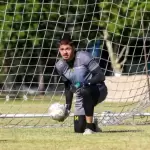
(89, 61)
(68, 95)
(60, 69)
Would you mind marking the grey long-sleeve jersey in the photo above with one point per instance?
(84, 69)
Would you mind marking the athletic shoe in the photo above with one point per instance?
(88, 131)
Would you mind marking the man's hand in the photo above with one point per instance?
(66, 114)
(78, 85)
(81, 84)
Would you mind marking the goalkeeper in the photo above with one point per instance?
(81, 75)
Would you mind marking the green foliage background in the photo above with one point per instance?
(30, 29)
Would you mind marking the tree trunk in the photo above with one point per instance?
(40, 79)
(115, 60)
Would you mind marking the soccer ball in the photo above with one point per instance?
(57, 111)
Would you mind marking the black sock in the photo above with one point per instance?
(91, 126)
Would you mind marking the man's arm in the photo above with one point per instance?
(68, 92)
(94, 68)
(97, 73)
(68, 95)
(60, 66)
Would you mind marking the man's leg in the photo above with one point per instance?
(90, 97)
(103, 91)
(79, 115)
(79, 123)
(86, 100)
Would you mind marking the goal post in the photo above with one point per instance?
(116, 33)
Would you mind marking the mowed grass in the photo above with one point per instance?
(51, 135)
(40, 106)
(112, 138)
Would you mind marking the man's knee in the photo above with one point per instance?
(103, 94)
(88, 100)
(79, 123)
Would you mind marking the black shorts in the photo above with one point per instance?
(98, 93)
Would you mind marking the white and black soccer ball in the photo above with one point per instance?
(57, 111)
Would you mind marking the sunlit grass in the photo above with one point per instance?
(44, 133)
(112, 138)
(40, 105)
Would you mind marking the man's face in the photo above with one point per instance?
(66, 51)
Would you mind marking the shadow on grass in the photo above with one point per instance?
(120, 131)
(7, 140)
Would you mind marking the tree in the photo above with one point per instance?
(18, 37)
(121, 21)
(30, 31)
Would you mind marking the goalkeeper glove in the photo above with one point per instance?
(81, 84)
(66, 114)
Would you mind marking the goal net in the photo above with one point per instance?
(115, 32)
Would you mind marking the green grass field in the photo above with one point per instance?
(62, 137)
(112, 138)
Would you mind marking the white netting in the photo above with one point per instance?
(115, 32)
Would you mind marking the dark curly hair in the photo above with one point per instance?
(66, 40)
